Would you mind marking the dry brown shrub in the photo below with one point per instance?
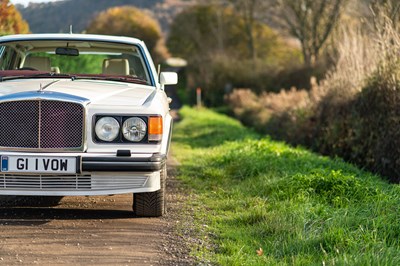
(355, 119)
(245, 106)
(285, 100)
(257, 110)
(353, 113)
(243, 100)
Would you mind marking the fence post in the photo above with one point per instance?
(198, 94)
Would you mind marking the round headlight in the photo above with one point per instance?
(107, 128)
(134, 129)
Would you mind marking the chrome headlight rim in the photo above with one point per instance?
(107, 129)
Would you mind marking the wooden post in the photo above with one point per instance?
(198, 94)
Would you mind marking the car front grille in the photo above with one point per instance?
(41, 124)
(40, 182)
(70, 182)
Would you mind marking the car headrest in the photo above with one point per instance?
(38, 62)
(116, 66)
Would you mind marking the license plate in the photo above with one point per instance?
(39, 164)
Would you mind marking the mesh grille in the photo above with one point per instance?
(59, 124)
(19, 124)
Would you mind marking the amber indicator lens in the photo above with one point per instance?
(155, 128)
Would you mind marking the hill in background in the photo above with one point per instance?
(56, 17)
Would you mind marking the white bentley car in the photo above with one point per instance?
(83, 115)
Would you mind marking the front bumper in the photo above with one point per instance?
(100, 174)
(123, 164)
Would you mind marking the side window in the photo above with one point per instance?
(8, 58)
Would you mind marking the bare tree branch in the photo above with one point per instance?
(312, 22)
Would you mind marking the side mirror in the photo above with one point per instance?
(168, 78)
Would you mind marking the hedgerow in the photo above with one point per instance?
(261, 202)
(354, 113)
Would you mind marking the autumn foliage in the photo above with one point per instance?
(11, 21)
(132, 22)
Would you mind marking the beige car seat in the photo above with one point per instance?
(38, 62)
(116, 66)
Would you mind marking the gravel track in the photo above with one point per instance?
(91, 231)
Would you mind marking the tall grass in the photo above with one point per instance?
(353, 113)
(290, 205)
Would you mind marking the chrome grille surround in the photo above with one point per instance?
(42, 124)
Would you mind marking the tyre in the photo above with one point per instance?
(151, 204)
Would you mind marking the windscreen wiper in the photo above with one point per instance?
(122, 79)
(40, 75)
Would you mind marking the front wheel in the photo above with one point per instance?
(152, 204)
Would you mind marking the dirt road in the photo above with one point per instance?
(87, 231)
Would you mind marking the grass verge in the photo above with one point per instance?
(265, 203)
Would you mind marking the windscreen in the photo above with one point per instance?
(101, 59)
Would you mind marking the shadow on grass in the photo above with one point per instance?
(284, 172)
(205, 129)
(211, 138)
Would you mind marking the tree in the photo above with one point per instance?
(213, 40)
(311, 22)
(11, 21)
(200, 30)
(132, 22)
(201, 33)
(250, 13)
(208, 30)
(249, 9)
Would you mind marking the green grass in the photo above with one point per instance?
(299, 207)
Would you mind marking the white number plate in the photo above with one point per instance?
(39, 164)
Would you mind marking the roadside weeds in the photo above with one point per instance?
(262, 202)
(176, 245)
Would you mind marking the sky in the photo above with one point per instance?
(25, 2)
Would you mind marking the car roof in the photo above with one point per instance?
(72, 37)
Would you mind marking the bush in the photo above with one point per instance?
(285, 115)
(354, 113)
(365, 130)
